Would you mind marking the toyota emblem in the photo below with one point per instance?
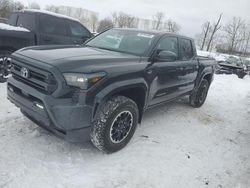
(24, 72)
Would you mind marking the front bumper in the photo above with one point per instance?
(61, 116)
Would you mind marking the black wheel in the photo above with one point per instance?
(114, 124)
(4, 65)
(198, 97)
(241, 74)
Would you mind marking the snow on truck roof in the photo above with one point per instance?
(48, 13)
(12, 28)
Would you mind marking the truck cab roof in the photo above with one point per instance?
(45, 12)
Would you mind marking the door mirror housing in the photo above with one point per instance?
(165, 55)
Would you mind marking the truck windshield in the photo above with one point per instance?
(132, 42)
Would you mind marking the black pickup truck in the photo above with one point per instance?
(34, 27)
(101, 90)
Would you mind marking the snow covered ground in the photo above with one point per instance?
(175, 146)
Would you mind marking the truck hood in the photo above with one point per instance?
(76, 58)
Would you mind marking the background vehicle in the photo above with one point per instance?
(100, 91)
(35, 27)
(232, 65)
(3, 20)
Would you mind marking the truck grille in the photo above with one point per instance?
(39, 79)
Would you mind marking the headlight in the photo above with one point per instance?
(83, 81)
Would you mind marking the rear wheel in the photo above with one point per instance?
(241, 74)
(198, 97)
(4, 65)
(114, 124)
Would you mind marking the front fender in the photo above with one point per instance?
(117, 87)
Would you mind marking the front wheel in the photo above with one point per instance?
(4, 65)
(198, 97)
(114, 124)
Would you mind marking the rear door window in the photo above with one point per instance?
(52, 25)
(13, 20)
(186, 49)
(27, 21)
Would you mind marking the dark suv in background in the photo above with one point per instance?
(34, 27)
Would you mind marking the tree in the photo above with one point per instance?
(34, 5)
(158, 19)
(234, 32)
(122, 19)
(93, 22)
(5, 8)
(8, 6)
(172, 26)
(206, 28)
(18, 5)
(247, 43)
(216, 27)
(52, 8)
(104, 25)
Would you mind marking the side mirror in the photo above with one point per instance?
(165, 55)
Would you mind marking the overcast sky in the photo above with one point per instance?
(190, 14)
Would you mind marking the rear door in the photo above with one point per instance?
(78, 33)
(189, 64)
(173, 78)
(52, 30)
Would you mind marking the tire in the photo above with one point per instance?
(107, 134)
(4, 67)
(241, 74)
(197, 98)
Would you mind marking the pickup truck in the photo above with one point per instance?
(100, 91)
(35, 27)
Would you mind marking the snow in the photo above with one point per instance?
(175, 146)
(12, 28)
(50, 13)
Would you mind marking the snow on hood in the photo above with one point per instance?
(12, 28)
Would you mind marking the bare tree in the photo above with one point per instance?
(158, 19)
(5, 8)
(122, 19)
(216, 27)
(93, 22)
(104, 25)
(206, 28)
(8, 6)
(18, 5)
(234, 31)
(34, 5)
(172, 26)
(247, 43)
(52, 8)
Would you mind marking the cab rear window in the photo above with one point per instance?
(27, 21)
